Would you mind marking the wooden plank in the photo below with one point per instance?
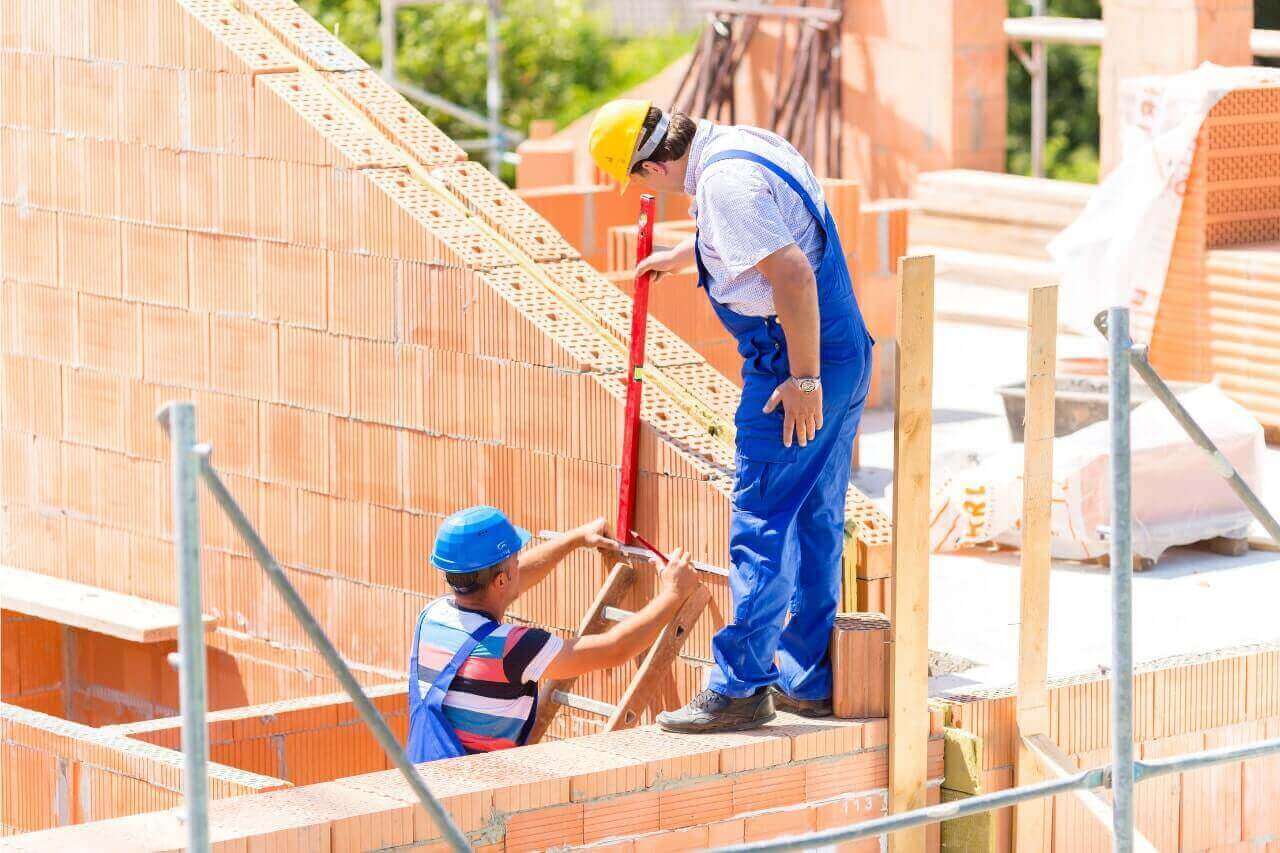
(593, 622)
(649, 681)
(127, 617)
(1056, 764)
(1032, 820)
(909, 632)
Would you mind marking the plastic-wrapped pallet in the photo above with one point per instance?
(1178, 496)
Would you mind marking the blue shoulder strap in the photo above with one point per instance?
(445, 677)
(740, 154)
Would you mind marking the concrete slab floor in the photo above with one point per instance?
(1192, 602)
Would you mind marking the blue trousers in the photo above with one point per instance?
(785, 546)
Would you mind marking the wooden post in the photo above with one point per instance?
(909, 632)
(1031, 820)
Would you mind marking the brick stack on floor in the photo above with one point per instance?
(1219, 312)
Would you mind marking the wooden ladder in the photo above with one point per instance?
(653, 685)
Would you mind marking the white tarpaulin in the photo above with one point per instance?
(1117, 252)
(1178, 496)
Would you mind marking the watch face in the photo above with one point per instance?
(807, 385)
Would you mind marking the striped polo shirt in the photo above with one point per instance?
(491, 700)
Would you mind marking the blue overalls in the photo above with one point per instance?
(786, 536)
(430, 734)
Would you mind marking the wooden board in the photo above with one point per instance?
(81, 606)
(909, 632)
(1031, 820)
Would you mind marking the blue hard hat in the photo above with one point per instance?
(476, 538)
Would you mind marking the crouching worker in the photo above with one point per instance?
(472, 677)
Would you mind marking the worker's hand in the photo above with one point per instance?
(660, 263)
(802, 413)
(594, 534)
(678, 576)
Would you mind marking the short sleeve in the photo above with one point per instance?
(740, 216)
(530, 652)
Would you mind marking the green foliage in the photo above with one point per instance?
(1071, 150)
(558, 59)
(1071, 146)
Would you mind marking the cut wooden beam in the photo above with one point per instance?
(1032, 824)
(909, 631)
(127, 617)
(1055, 764)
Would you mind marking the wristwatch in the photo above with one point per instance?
(807, 384)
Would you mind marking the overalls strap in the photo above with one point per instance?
(431, 736)
(787, 177)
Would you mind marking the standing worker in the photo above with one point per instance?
(770, 261)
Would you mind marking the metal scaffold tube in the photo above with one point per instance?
(368, 713)
(181, 422)
(1121, 582)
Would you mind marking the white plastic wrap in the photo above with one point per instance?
(1117, 252)
(1178, 496)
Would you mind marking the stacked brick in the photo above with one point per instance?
(303, 741)
(1181, 705)
(59, 773)
(633, 790)
(1218, 312)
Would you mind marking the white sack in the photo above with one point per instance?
(1178, 498)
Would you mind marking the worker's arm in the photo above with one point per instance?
(537, 562)
(676, 258)
(795, 298)
(634, 634)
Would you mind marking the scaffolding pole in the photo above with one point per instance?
(180, 420)
(1121, 582)
(368, 713)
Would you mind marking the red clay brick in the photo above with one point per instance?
(231, 425)
(90, 254)
(223, 273)
(632, 814)
(295, 447)
(362, 293)
(43, 321)
(176, 346)
(696, 804)
(365, 462)
(313, 370)
(109, 335)
(243, 356)
(294, 284)
(155, 265)
(95, 408)
(543, 829)
(374, 381)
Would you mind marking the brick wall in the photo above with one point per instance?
(633, 790)
(58, 772)
(303, 741)
(98, 680)
(1181, 706)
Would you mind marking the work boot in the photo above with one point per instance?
(804, 707)
(710, 711)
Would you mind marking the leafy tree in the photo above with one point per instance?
(558, 59)
(1071, 143)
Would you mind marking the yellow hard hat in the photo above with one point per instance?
(614, 132)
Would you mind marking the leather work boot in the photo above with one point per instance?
(804, 707)
(710, 711)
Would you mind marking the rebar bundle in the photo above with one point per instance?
(806, 105)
